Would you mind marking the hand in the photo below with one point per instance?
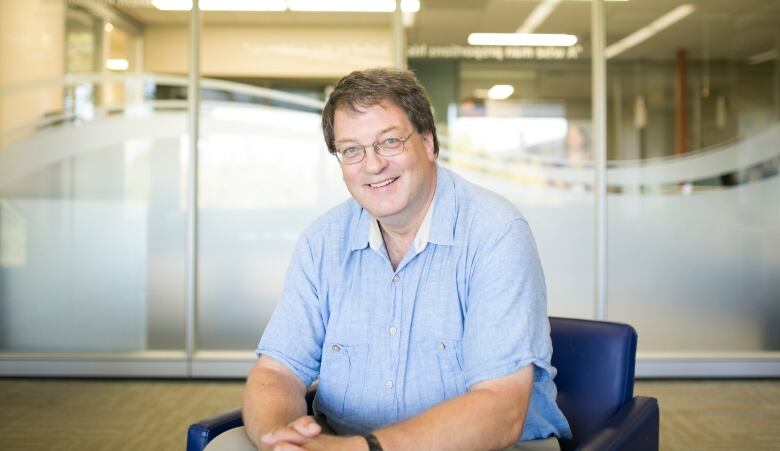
(294, 433)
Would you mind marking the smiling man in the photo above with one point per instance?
(419, 304)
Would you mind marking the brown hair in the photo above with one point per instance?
(370, 87)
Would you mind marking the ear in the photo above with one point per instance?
(427, 139)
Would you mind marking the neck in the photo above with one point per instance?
(398, 236)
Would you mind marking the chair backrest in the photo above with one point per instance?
(595, 362)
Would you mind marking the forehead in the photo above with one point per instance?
(349, 120)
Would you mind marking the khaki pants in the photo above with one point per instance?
(237, 440)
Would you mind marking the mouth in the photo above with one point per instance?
(383, 183)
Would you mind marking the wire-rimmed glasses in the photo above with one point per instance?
(388, 147)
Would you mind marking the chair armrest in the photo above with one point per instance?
(201, 433)
(633, 427)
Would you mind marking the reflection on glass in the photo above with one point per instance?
(516, 119)
(694, 203)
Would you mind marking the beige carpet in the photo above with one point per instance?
(61, 414)
(717, 415)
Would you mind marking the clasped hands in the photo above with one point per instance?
(305, 434)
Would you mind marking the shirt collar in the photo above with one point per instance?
(438, 226)
(375, 240)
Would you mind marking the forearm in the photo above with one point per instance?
(271, 400)
(476, 420)
(490, 416)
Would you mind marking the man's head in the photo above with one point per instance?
(379, 123)
(369, 87)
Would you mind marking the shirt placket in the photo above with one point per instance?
(392, 330)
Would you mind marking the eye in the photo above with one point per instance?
(350, 152)
(391, 142)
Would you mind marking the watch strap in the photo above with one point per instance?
(373, 442)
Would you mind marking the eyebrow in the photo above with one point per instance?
(381, 132)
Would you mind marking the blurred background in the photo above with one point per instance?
(109, 268)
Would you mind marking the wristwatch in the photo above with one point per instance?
(373, 443)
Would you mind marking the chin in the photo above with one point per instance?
(383, 212)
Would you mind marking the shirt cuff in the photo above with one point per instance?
(508, 368)
(307, 375)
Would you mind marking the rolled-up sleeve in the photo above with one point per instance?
(295, 333)
(506, 325)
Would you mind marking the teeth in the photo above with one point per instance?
(381, 184)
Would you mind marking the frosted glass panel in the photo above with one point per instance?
(695, 266)
(92, 238)
(561, 218)
(265, 176)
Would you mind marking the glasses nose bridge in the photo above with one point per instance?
(377, 153)
(375, 146)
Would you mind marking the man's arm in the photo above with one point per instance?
(490, 416)
(275, 400)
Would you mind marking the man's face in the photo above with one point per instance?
(395, 190)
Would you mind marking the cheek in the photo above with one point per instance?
(347, 176)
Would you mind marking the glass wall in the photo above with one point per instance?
(91, 192)
(694, 192)
(95, 160)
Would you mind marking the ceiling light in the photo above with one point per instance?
(365, 6)
(222, 5)
(109, 27)
(383, 6)
(539, 40)
(172, 5)
(117, 64)
(500, 92)
(410, 6)
(243, 5)
(537, 16)
(650, 30)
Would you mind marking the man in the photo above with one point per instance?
(419, 304)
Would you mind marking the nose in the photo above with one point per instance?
(374, 163)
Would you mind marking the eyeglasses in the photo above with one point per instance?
(388, 147)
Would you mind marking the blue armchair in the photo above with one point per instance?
(595, 362)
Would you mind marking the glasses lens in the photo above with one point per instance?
(390, 146)
(350, 155)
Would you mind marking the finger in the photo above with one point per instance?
(285, 446)
(306, 426)
(286, 434)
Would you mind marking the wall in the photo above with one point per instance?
(31, 50)
(237, 51)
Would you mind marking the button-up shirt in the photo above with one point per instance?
(466, 304)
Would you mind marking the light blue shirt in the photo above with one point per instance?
(467, 305)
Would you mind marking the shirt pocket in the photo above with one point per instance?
(342, 377)
(439, 370)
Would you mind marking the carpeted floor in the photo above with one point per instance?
(61, 414)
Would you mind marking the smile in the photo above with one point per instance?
(382, 183)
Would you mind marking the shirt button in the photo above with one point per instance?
(389, 383)
(392, 330)
(441, 345)
(396, 278)
(335, 348)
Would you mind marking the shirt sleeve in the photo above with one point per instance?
(506, 325)
(296, 330)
